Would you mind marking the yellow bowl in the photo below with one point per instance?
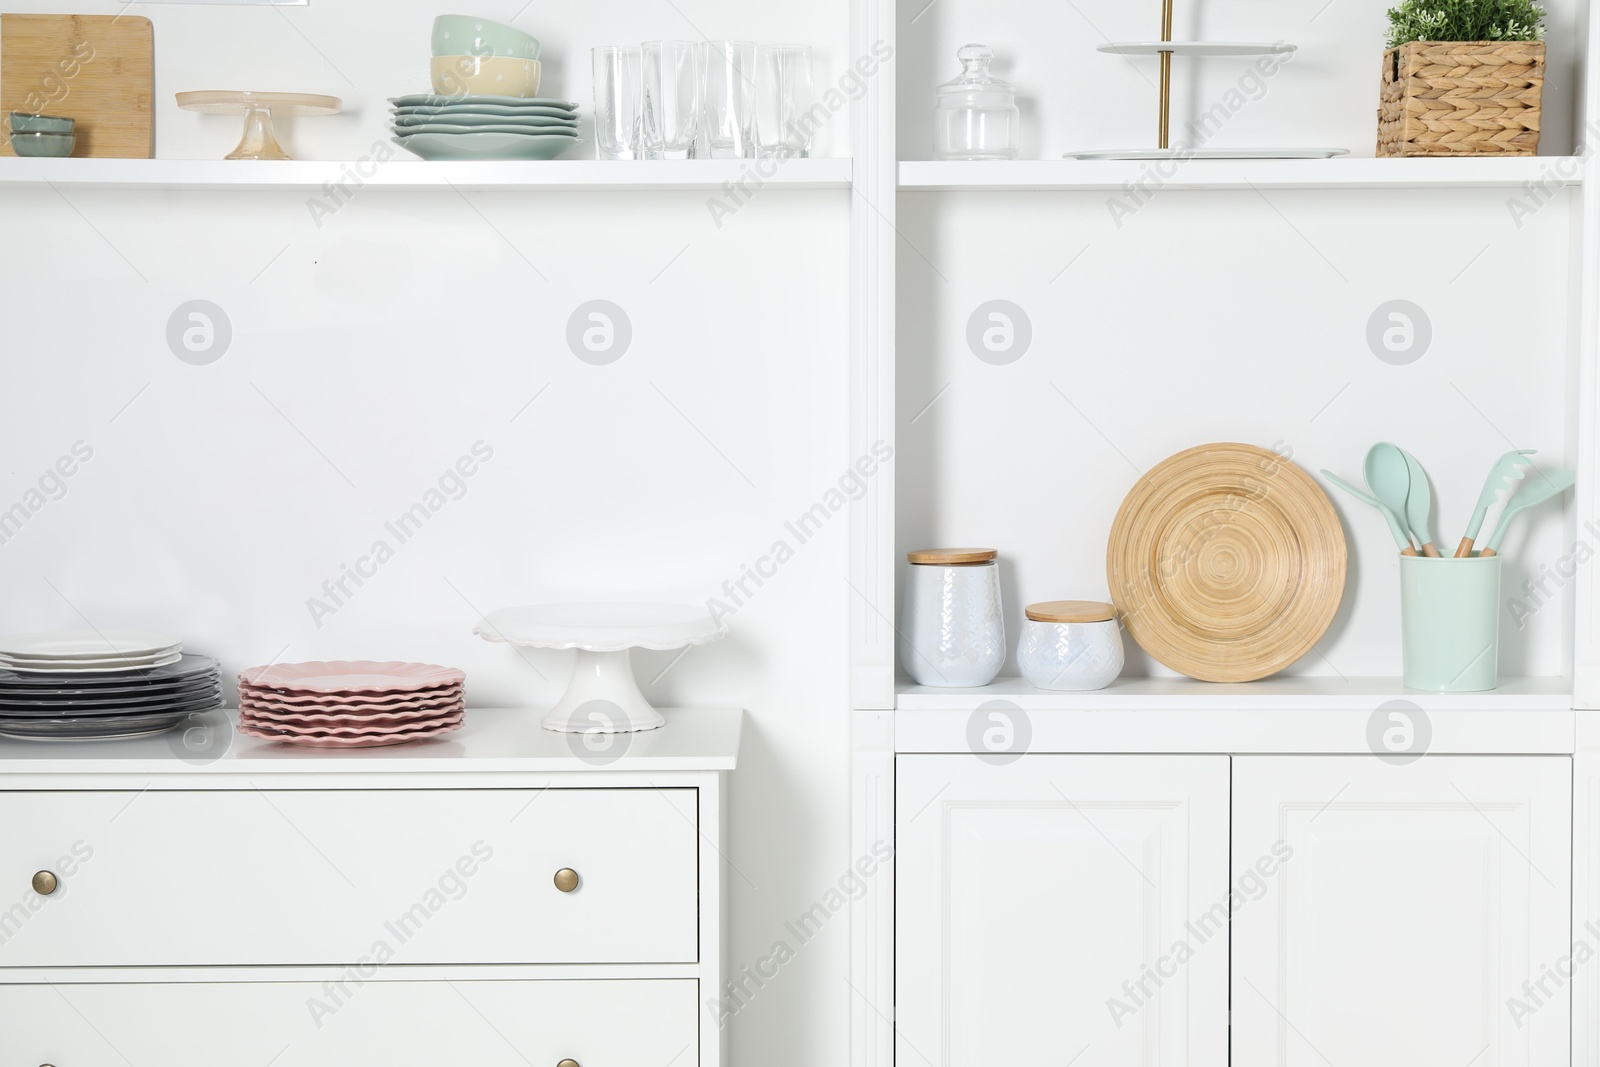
(485, 76)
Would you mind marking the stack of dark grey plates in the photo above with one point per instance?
(96, 685)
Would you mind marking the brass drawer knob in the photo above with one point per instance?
(566, 881)
(45, 883)
(567, 1063)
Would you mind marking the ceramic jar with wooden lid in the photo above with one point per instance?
(952, 627)
(1071, 645)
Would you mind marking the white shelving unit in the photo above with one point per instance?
(404, 172)
(975, 443)
(1527, 180)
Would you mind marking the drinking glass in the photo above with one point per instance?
(729, 93)
(783, 98)
(671, 99)
(618, 101)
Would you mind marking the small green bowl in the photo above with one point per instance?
(44, 144)
(23, 122)
(467, 35)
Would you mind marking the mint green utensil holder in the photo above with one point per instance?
(1450, 623)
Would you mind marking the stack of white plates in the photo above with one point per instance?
(88, 652)
(484, 127)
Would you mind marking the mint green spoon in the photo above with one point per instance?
(1401, 538)
(1388, 475)
(1419, 505)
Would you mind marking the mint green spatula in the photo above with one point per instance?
(1505, 470)
(1401, 538)
(1540, 487)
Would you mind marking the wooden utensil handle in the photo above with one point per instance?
(1429, 551)
(1464, 549)
(1408, 551)
(1486, 553)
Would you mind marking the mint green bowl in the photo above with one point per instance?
(44, 144)
(466, 35)
(24, 122)
(1450, 623)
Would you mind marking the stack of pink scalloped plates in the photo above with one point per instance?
(350, 704)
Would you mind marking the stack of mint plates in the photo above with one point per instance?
(484, 127)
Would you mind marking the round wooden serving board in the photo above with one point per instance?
(1226, 562)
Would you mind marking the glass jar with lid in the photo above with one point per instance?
(976, 116)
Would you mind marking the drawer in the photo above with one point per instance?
(292, 1024)
(341, 876)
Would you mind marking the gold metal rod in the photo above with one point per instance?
(1166, 75)
(1166, 98)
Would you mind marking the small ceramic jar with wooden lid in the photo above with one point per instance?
(952, 628)
(1071, 645)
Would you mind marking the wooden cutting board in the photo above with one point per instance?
(98, 69)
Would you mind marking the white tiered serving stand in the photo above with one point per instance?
(1166, 48)
(602, 695)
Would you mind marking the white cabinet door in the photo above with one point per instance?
(1585, 905)
(1415, 903)
(392, 1022)
(1061, 906)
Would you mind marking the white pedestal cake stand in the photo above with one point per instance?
(602, 694)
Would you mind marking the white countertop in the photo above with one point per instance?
(491, 740)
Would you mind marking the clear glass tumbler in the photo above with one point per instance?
(671, 99)
(729, 95)
(784, 126)
(618, 101)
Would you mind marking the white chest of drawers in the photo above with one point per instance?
(503, 895)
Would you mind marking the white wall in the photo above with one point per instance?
(371, 352)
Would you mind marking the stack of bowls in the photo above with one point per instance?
(484, 104)
(42, 135)
(473, 56)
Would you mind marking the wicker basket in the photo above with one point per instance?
(1461, 98)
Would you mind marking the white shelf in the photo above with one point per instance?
(1280, 693)
(1077, 174)
(404, 172)
(1195, 48)
(1277, 715)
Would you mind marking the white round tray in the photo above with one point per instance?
(1195, 48)
(1206, 153)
